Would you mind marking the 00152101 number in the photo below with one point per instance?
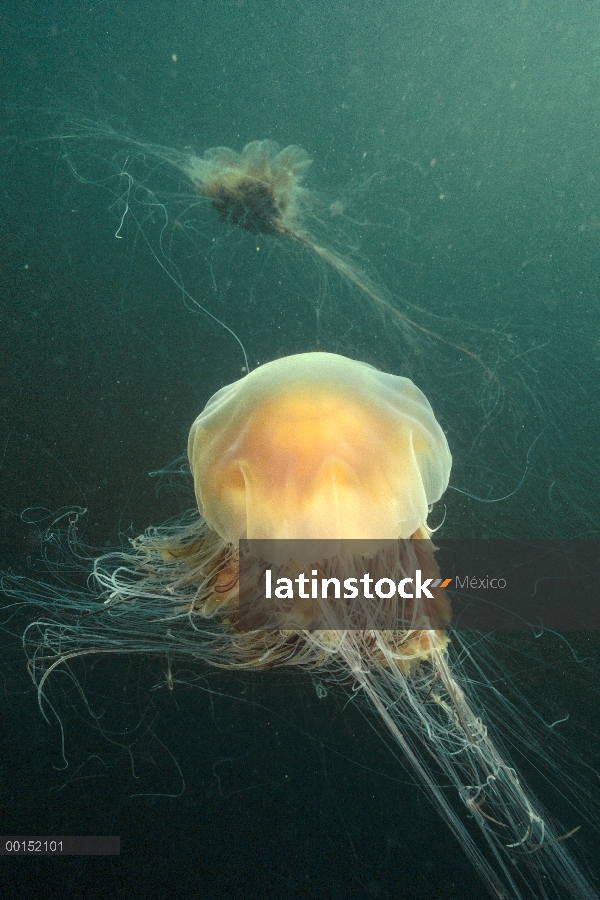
(33, 845)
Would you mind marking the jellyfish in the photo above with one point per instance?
(261, 190)
(322, 464)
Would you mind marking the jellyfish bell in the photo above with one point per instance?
(318, 446)
(258, 189)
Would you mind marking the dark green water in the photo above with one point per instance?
(455, 153)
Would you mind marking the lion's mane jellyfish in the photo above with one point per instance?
(261, 189)
(258, 189)
(318, 451)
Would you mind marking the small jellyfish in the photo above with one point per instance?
(258, 189)
(261, 190)
(307, 451)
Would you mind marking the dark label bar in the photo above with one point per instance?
(468, 585)
(66, 845)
